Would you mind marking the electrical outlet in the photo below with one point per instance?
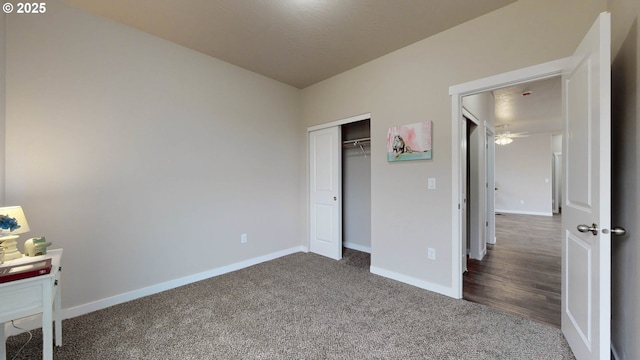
(431, 254)
(243, 238)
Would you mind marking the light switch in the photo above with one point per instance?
(432, 183)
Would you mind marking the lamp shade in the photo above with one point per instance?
(17, 213)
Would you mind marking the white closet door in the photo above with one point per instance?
(325, 165)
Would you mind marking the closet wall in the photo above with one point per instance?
(356, 186)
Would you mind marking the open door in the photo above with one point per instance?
(586, 247)
(325, 223)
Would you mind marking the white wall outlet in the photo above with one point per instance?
(431, 254)
(243, 238)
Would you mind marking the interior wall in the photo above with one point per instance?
(523, 176)
(482, 106)
(144, 160)
(625, 108)
(411, 85)
(356, 188)
(556, 141)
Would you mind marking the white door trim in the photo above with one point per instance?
(490, 161)
(349, 120)
(457, 92)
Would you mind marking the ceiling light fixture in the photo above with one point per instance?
(503, 140)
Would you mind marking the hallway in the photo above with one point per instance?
(520, 274)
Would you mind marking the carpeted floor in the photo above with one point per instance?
(301, 306)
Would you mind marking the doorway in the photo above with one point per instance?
(475, 197)
(356, 186)
(538, 72)
(521, 273)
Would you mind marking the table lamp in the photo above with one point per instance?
(16, 223)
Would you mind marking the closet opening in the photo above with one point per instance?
(356, 186)
(340, 189)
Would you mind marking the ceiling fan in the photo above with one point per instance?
(506, 137)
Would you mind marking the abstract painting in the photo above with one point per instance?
(409, 142)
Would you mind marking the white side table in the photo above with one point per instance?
(38, 294)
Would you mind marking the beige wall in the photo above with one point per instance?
(625, 272)
(523, 176)
(144, 160)
(482, 106)
(411, 85)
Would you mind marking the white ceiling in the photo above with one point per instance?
(298, 42)
(539, 112)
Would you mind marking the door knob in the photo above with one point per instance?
(619, 231)
(616, 230)
(586, 228)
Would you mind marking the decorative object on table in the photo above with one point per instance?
(36, 246)
(12, 223)
(409, 142)
(26, 270)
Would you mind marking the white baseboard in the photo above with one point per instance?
(352, 246)
(447, 291)
(35, 321)
(540, 213)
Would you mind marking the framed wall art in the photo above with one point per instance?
(409, 142)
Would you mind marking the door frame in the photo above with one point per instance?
(481, 206)
(337, 123)
(457, 92)
(490, 162)
(475, 201)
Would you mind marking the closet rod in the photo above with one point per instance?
(357, 141)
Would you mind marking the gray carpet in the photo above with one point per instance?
(301, 306)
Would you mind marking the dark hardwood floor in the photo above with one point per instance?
(520, 273)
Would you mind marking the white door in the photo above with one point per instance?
(586, 254)
(325, 165)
